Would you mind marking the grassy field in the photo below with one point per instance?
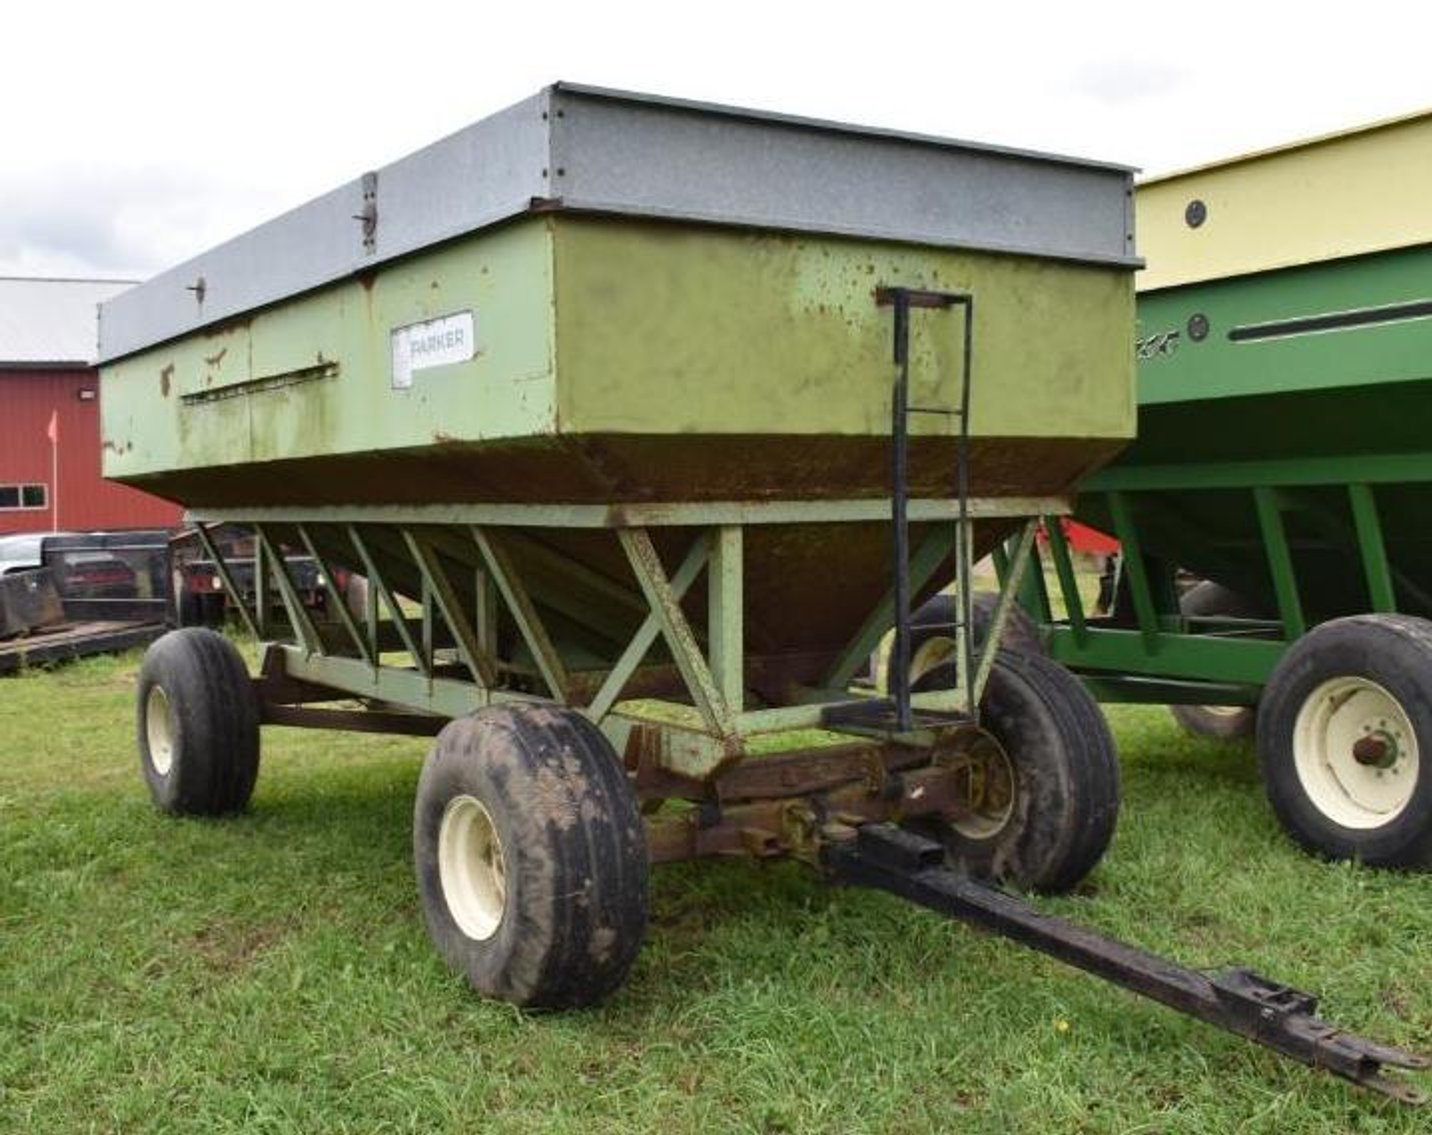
(272, 973)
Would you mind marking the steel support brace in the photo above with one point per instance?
(1068, 583)
(227, 579)
(647, 633)
(524, 614)
(726, 615)
(1276, 1016)
(1009, 589)
(431, 694)
(377, 580)
(439, 591)
(1280, 561)
(297, 613)
(367, 647)
(681, 514)
(261, 589)
(1140, 586)
(685, 650)
(1371, 548)
(1211, 658)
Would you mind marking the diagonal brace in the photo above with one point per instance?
(464, 629)
(390, 600)
(523, 611)
(685, 650)
(226, 577)
(647, 633)
(297, 614)
(336, 598)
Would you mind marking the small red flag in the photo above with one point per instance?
(52, 431)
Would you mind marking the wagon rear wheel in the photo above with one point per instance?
(198, 724)
(1047, 779)
(1345, 740)
(531, 857)
(1224, 722)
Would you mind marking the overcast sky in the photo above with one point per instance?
(133, 136)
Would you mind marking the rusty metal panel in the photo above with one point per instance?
(28, 600)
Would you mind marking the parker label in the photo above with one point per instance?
(433, 343)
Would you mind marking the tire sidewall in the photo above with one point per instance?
(1066, 779)
(1380, 651)
(574, 853)
(213, 722)
(1012, 712)
(485, 963)
(164, 788)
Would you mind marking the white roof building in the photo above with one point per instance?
(51, 322)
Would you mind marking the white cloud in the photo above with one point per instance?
(136, 136)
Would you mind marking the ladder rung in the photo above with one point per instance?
(934, 410)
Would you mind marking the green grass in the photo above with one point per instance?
(272, 973)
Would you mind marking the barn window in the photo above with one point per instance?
(23, 496)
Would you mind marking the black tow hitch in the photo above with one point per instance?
(889, 858)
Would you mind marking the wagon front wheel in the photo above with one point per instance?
(1044, 780)
(1345, 740)
(531, 857)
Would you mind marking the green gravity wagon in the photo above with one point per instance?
(1285, 391)
(643, 422)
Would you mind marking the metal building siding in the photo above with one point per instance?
(86, 500)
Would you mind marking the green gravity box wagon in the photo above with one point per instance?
(644, 421)
(1285, 389)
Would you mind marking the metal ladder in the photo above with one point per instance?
(902, 300)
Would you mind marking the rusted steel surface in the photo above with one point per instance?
(600, 468)
(801, 825)
(75, 640)
(352, 720)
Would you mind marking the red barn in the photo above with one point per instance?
(49, 414)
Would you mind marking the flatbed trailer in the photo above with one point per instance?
(619, 402)
(106, 591)
(65, 642)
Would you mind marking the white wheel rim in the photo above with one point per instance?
(471, 867)
(932, 654)
(1355, 752)
(159, 730)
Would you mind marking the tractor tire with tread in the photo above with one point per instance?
(1345, 740)
(1066, 779)
(198, 724)
(530, 854)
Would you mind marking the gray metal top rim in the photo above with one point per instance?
(727, 110)
(575, 148)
